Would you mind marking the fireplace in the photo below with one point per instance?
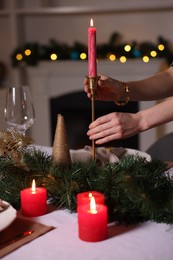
(76, 109)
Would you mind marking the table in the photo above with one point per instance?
(145, 241)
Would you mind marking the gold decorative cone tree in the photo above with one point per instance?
(60, 150)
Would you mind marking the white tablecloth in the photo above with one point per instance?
(146, 241)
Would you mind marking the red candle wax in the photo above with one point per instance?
(33, 201)
(92, 224)
(84, 198)
(92, 66)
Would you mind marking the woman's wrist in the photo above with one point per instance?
(143, 123)
(124, 96)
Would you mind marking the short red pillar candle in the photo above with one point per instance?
(33, 201)
(84, 198)
(92, 222)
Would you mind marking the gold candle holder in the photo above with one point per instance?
(92, 82)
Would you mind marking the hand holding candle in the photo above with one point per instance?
(92, 222)
(33, 201)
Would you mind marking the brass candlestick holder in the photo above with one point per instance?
(92, 82)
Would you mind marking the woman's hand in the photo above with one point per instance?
(115, 126)
(108, 89)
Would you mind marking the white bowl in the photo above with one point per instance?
(7, 216)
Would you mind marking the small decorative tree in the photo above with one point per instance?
(60, 150)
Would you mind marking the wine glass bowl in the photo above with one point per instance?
(19, 110)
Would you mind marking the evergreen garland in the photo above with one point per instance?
(135, 190)
(41, 52)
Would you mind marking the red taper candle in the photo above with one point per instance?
(92, 53)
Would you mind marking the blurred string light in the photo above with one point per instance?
(161, 47)
(27, 52)
(83, 56)
(123, 59)
(19, 56)
(137, 53)
(111, 57)
(153, 54)
(32, 53)
(53, 56)
(145, 59)
(127, 48)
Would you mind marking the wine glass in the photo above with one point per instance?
(19, 111)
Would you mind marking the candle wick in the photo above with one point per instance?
(93, 211)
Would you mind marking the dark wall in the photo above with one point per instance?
(76, 109)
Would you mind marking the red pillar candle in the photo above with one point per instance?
(92, 66)
(33, 201)
(84, 198)
(92, 222)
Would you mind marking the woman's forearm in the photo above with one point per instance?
(156, 87)
(157, 115)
